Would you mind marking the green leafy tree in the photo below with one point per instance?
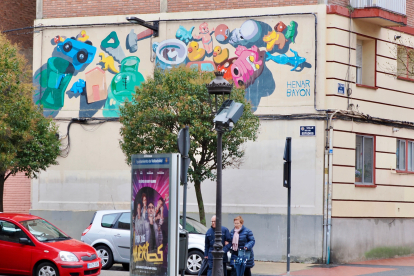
(28, 140)
(166, 103)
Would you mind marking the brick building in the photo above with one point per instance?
(15, 15)
(320, 64)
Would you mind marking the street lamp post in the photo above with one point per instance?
(218, 87)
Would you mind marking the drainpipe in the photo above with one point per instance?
(329, 196)
(325, 191)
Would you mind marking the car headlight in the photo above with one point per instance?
(68, 256)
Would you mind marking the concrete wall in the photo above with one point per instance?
(353, 237)
(69, 193)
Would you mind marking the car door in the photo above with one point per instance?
(16, 257)
(121, 236)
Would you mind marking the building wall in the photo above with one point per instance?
(17, 194)
(94, 176)
(14, 15)
(367, 217)
(18, 14)
(389, 98)
(77, 8)
(59, 9)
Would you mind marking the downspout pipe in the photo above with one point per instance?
(329, 196)
(325, 191)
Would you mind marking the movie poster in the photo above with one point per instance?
(150, 198)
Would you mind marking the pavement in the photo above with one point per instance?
(399, 266)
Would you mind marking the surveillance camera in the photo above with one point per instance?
(397, 37)
(229, 113)
(394, 129)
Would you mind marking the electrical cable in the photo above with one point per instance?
(97, 122)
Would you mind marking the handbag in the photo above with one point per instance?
(203, 268)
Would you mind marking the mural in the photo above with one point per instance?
(253, 54)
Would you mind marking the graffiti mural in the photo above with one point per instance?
(255, 54)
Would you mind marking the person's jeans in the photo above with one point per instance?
(247, 271)
(210, 269)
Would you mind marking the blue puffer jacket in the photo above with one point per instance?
(209, 242)
(246, 239)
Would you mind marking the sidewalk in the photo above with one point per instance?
(402, 266)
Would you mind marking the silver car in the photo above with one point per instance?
(109, 233)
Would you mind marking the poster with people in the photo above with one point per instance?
(151, 202)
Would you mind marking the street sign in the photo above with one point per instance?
(307, 131)
(184, 141)
(287, 163)
(341, 88)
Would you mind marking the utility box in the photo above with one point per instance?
(182, 265)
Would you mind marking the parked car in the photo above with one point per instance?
(109, 232)
(30, 245)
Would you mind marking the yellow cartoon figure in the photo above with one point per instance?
(109, 63)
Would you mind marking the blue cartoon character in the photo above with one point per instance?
(184, 35)
(80, 52)
(78, 86)
(284, 59)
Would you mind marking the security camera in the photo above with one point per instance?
(228, 114)
(394, 129)
(397, 37)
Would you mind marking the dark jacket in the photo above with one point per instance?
(246, 239)
(209, 242)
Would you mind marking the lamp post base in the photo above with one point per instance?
(218, 260)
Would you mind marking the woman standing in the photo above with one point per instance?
(242, 238)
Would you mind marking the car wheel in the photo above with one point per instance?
(125, 267)
(88, 42)
(106, 256)
(67, 46)
(46, 269)
(194, 260)
(82, 56)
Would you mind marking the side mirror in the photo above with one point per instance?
(25, 241)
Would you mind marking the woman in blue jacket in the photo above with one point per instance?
(242, 238)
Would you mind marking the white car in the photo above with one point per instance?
(107, 224)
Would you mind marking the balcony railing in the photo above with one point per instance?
(397, 6)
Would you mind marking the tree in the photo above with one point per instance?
(28, 141)
(166, 103)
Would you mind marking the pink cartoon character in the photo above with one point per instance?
(248, 66)
(206, 38)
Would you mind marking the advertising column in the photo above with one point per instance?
(154, 211)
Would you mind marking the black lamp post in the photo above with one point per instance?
(218, 87)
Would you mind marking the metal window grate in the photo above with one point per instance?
(397, 6)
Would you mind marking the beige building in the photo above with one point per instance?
(329, 80)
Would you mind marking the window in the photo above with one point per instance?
(124, 221)
(404, 155)
(109, 220)
(44, 231)
(405, 63)
(10, 232)
(364, 160)
(365, 61)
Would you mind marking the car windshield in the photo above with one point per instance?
(194, 227)
(43, 230)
